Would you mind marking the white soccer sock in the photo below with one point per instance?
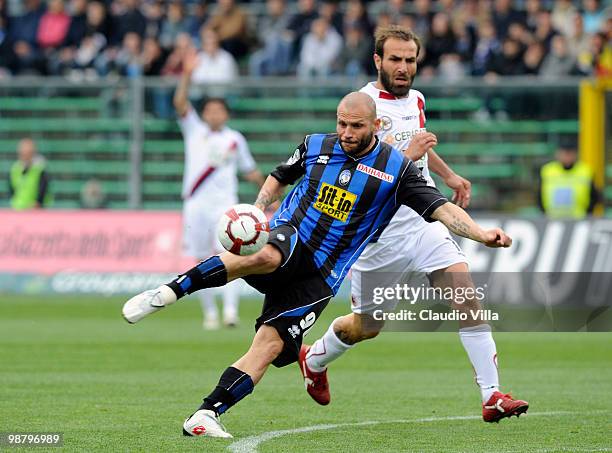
(326, 349)
(480, 347)
(207, 301)
(230, 301)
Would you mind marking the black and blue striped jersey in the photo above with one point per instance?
(342, 202)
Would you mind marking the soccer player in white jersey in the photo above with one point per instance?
(213, 155)
(408, 247)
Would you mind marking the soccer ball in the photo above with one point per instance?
(243, 229)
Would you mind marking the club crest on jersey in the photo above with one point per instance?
(344, 177)
(386, 123)
(335, 202)
(375, 173)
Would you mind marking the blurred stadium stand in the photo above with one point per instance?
(495, 135)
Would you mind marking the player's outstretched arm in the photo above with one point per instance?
(460, 223)
(180, 100)
(270, 192)
(462, 188)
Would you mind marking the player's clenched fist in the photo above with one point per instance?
(419, 145)
(496, 237)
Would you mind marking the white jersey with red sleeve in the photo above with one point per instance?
(401, 119)
(210, 181)
(212, 161)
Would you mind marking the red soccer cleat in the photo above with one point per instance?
(316, 383)
(501, 406)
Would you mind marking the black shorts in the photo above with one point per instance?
(295, 293)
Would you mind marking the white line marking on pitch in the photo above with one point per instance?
(250, 444)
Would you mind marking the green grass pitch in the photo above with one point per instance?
(73, 365)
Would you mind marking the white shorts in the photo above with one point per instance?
(390, 261)
(200, 228)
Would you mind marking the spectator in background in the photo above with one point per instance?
(127, 62)
(532, 10)
(504, 15)
(567, 189)
(152, 60)
(7, 57)
(174, 23)
(300, 25)
(465, 41)
(395, 10)
(79, 63)
(441, 40)
(508, 62)
(422, 17)
(128, 19)
(77, 36)
(78, 23)
(23, 35)
(152, 57)
(93, 196)
(532, 58)
(357, 16)
(598, 62)
(593, 16)
(354, 58)
(559, 62)
(53, 26)
(98, 20)
(79, 60)
(320, 50)
(274, 57)
(197, 18)
(154, 13)
(230, 22)
(328, 10)
(214, 153)
(174, 63)
(29, 179)
(520, 34)
(579, 41)
(563, 17)
(545, 31)
(384, 20)
(124, 61)
(486, 46)
(214, 63)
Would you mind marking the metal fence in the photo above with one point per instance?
(123, 132)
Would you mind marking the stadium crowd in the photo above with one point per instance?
(96, 38)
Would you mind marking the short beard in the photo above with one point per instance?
(363, 145)
(398, 92)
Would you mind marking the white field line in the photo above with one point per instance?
(250, 444)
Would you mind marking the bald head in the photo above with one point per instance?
(26, 150)
(358, 103)
(357, 123)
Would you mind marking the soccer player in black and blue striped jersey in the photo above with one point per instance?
(350, 185)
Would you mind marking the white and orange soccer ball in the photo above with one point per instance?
(243, 229)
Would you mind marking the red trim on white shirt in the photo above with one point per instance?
(205, 174)
(385, 95)
(421, 105)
